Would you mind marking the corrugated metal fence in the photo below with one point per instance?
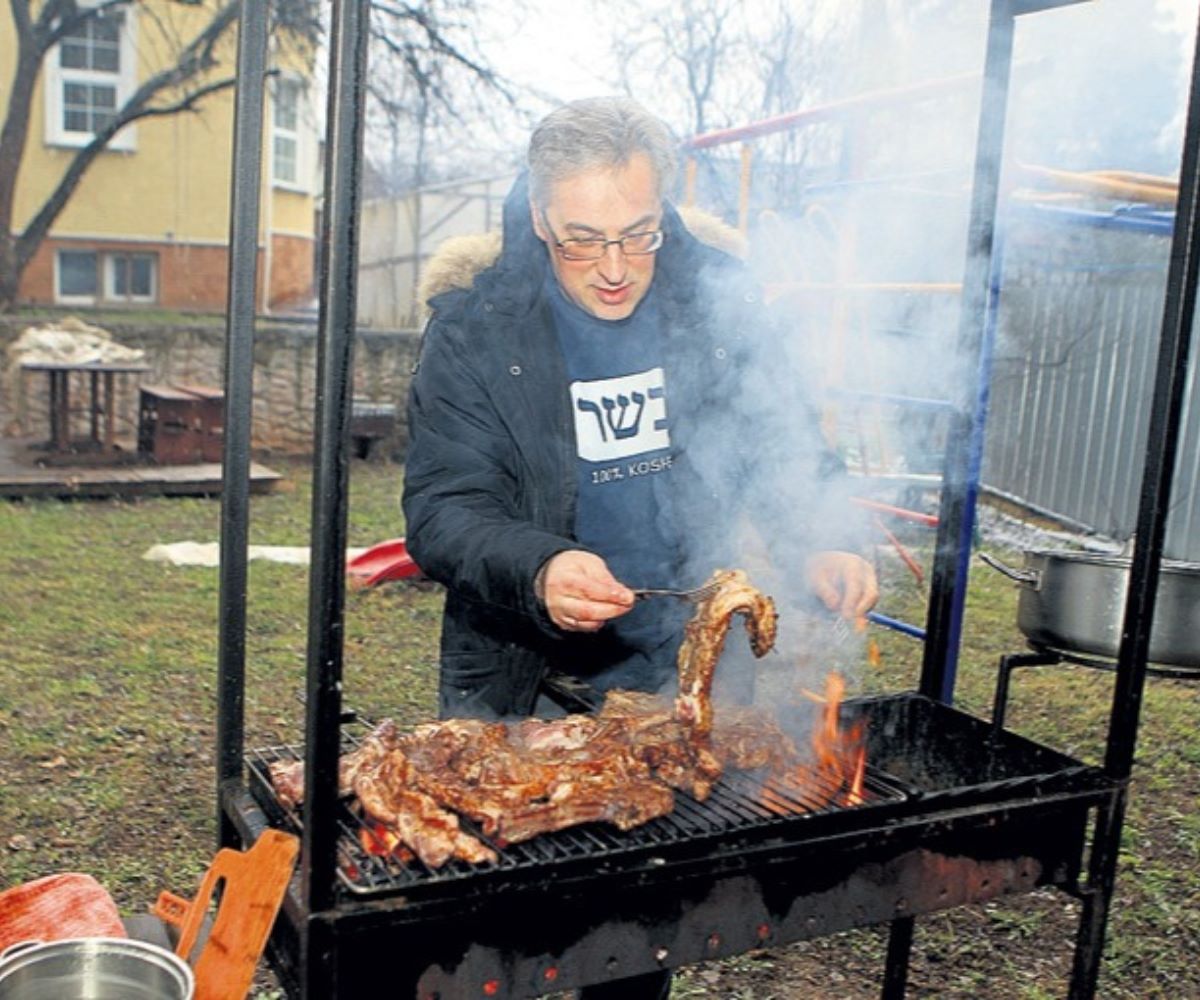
(1080, 314)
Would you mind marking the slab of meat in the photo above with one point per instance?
(387, 795)
(518, 780)
(287, 776)
(704, 638)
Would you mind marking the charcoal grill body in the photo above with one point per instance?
(954, 813)
(965, 811)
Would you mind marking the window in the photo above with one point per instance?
(129, 277)
(88, 107)
(76, 276)
(88, 77)
(85, 277)
(95, 44)
(285, 134)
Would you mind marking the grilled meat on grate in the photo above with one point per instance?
(704, 638)
(518, 780)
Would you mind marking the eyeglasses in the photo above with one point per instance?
(593, 248)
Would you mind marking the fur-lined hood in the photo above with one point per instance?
(459, 259)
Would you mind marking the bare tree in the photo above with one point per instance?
(689, 50)
(428, 79)
(186, 79)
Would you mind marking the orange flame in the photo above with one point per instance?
(378, 840)
(839, 754)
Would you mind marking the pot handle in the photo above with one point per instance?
(1025, 577)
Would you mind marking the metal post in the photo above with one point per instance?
(335, 343)
(1162, 439)
(239, 389)
(948, 578)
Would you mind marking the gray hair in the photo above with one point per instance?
(597, 132)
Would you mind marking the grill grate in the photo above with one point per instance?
(740, 802)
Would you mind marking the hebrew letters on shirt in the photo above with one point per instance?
(619, 417)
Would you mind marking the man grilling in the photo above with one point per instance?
(591, 411)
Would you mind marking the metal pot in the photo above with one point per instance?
(1075, 602)
(93, 969)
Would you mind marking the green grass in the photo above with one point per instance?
(107, 730)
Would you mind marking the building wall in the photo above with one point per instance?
(292, 275)
(397, 236)
(170, 193)
(191, 276)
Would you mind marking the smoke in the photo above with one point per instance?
(1101, 85)
(862, 247)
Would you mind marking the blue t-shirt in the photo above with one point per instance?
(620, 402)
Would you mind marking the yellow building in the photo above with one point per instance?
(149, 222)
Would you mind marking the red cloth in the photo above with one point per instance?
(70, 905)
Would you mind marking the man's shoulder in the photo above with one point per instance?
(455, 266)
(714, 232)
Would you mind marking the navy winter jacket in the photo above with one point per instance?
(490, 482)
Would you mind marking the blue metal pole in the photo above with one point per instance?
(960, 487)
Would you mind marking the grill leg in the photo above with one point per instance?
(1007, 665)
(895, 973)
(1102, 874)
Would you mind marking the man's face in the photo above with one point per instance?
(602, 203)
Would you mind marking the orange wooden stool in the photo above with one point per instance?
(254, 885)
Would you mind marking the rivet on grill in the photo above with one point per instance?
(661, 955)
(491, 988)
(714, 941)
(550, 974)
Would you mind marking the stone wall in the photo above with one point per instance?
(284, 378)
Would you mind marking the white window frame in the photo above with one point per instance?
(125, 80)
(301, 135)
(75, 300)
(109, 276)
(106, 277)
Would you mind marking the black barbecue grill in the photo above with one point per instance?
(955, 810)
(952, 812)
(928, 756)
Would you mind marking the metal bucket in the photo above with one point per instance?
(93, 969)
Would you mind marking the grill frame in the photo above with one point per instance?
(325, 949)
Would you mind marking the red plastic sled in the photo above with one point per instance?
(384, 561)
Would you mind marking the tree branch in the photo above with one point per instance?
(195, 59)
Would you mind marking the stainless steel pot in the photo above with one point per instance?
(1075, 602)
(93, 969)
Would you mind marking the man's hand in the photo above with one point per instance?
(579, 592)
(844, 582)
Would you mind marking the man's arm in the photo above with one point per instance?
(462, 512)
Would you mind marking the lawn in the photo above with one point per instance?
(107, 723)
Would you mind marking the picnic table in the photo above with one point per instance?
(102, 375)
